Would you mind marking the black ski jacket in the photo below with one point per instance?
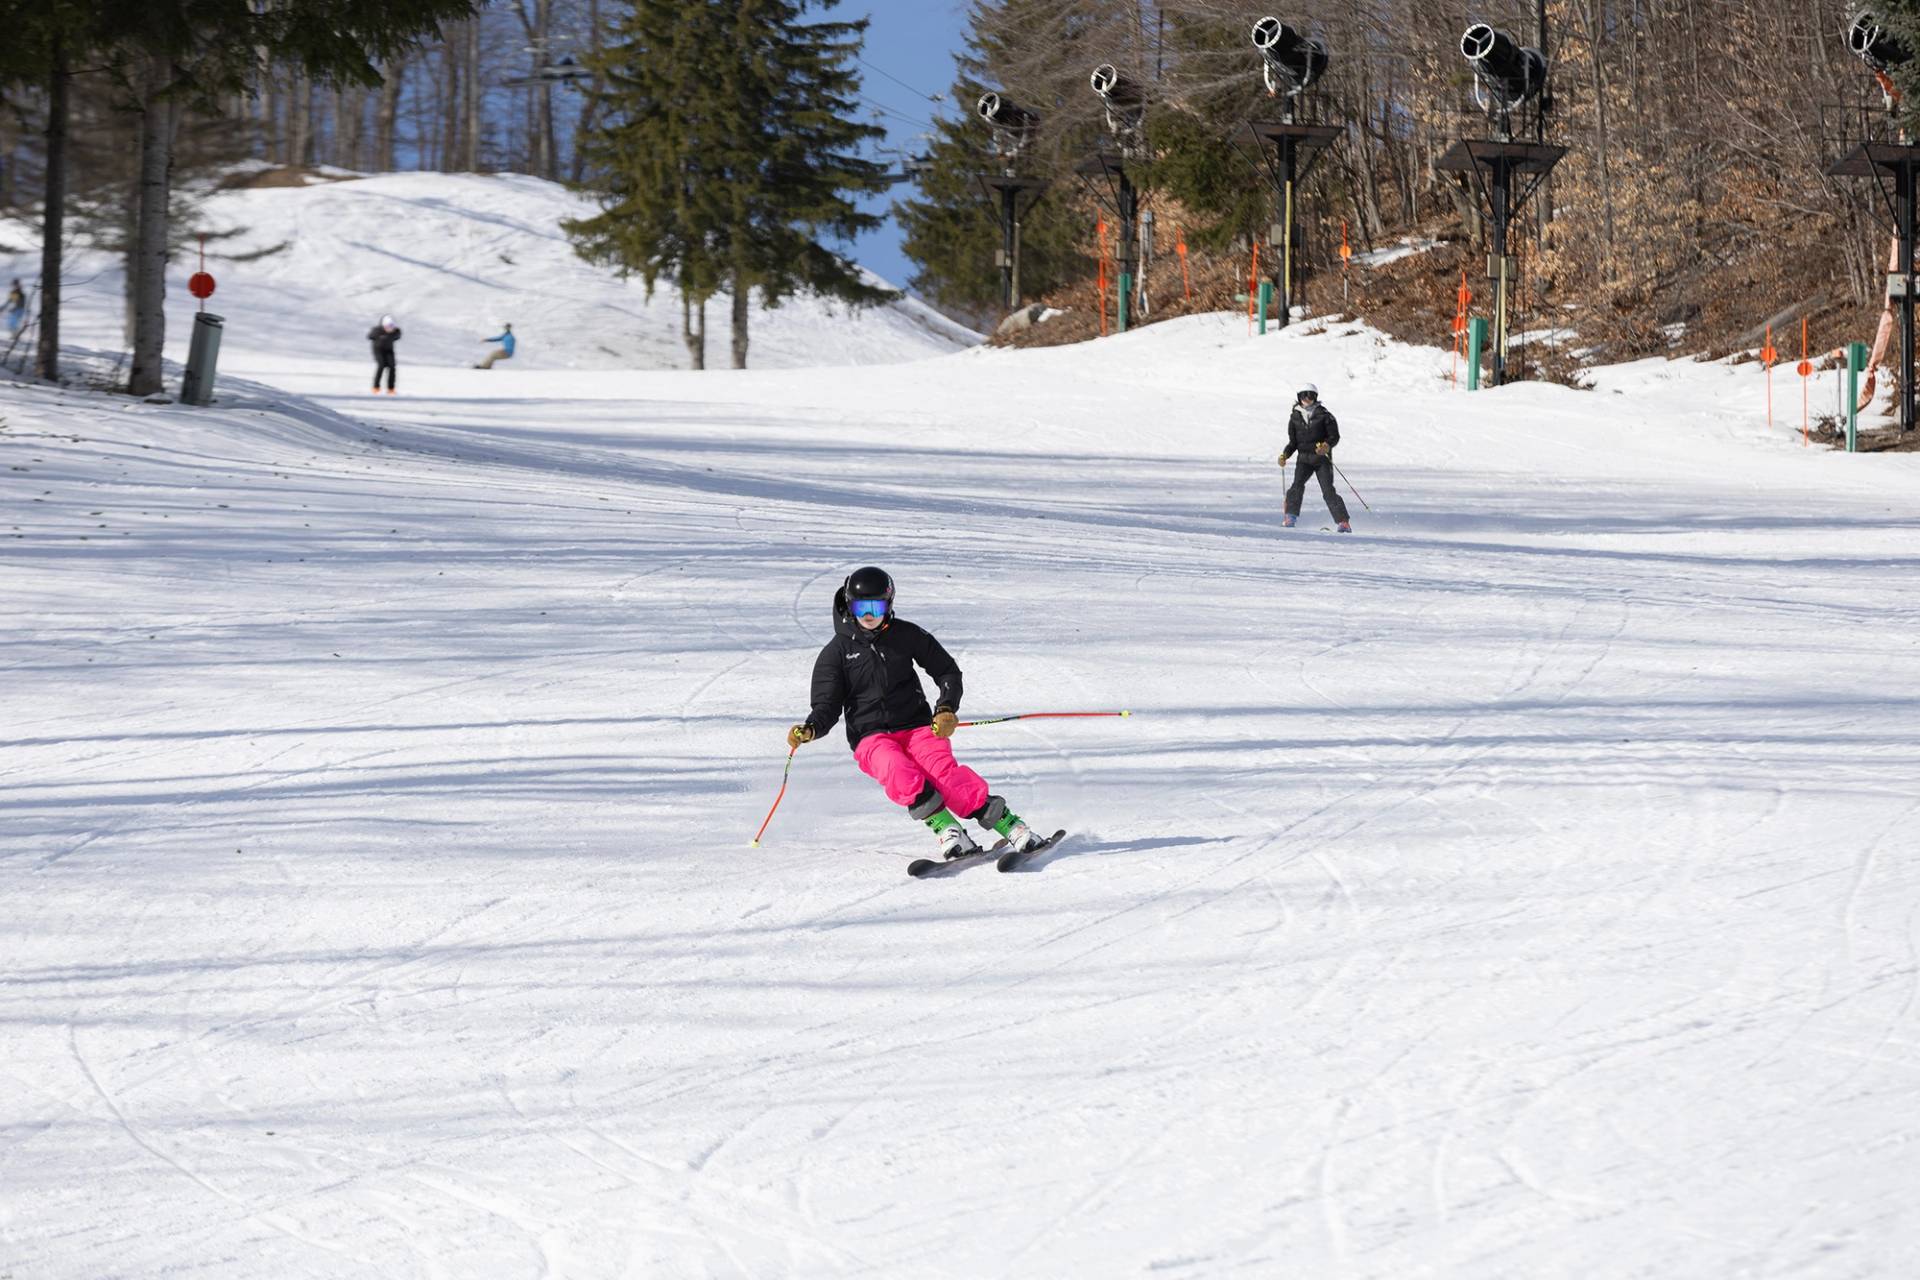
(1305, 430)
(383, 340)
(869, 676)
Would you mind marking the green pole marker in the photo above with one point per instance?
(1476, 343)
(1266, 302)
(1126, 295)
(1856, 365)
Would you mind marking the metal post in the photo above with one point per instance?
(1856, 365)
(1009, 247)
(1266, 302)
(203, 355)
(1903, 202)
(1129, 201)
(1013, 286)
(1501, 177)
(1476, 342)
(1289, 163)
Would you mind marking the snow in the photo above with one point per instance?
(1521, 887)
(453, 257)
(1405, 248)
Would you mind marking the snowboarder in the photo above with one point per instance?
(867, 672)
(1312, 432)
(503, 352)
(383, 336)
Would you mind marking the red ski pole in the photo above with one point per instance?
(1350, 489)
(755, 842)
(1045, 715)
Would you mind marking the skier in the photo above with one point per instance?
(1312, 432)
(383, 336)
(16, 309)
(503, 352)
(867, 672)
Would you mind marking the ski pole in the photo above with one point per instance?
(1350, 489)
(1044, 715)
(791, 753)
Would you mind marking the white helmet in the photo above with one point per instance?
(386, 322)
(1307, 389)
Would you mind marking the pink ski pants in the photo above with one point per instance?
(904, 762)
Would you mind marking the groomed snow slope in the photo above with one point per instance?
(1522, 887)
(452, 257)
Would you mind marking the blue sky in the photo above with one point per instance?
(909, 56)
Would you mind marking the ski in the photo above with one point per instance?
(930, 868)
(1012, 859)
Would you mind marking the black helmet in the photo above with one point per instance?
(869, 583)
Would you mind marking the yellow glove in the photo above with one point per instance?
(799, 736)
(1323, 448)
(1285, 456)
(944, 723)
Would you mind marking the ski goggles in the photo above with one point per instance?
(869, 608)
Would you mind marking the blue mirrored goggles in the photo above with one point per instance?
(869, 608)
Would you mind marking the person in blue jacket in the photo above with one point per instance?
(503, 352)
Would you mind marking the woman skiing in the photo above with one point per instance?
(867, 673)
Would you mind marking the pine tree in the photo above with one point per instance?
(1037, 53)
(726, 152)
(651, 147)
(1901, 20)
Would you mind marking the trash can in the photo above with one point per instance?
(203, 353)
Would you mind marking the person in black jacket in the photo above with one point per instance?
(866, 672)
(383, 336)
(1312, 433)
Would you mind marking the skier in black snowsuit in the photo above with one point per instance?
(1312, 432)
(383, 336)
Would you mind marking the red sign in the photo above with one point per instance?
(200, 285)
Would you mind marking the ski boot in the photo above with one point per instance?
(1344, 527)
(1286, 521)
(1004, 822)
(1021, 837)
(954, 840)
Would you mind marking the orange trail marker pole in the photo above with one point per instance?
(1346, 253)
(1767, 357)
(1100, 227)
(1180, 247)
(1253, 287)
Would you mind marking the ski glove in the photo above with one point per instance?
(1323, 449)
(799, 736)
(944, 723)
(1285, 456)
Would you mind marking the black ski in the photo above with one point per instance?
(930, 868)
(1012, 859)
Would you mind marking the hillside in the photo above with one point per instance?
(452, 257)
(1512, 889)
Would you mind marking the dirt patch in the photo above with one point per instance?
(290, 175)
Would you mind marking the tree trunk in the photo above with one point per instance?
(741, 290)
(695, 338)
(300, 126)
(470, 151)
(449, 156)
(150, 244)
(349, 115)
(543, 93)
(590, 117)
(53, 216)
(393, 78)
